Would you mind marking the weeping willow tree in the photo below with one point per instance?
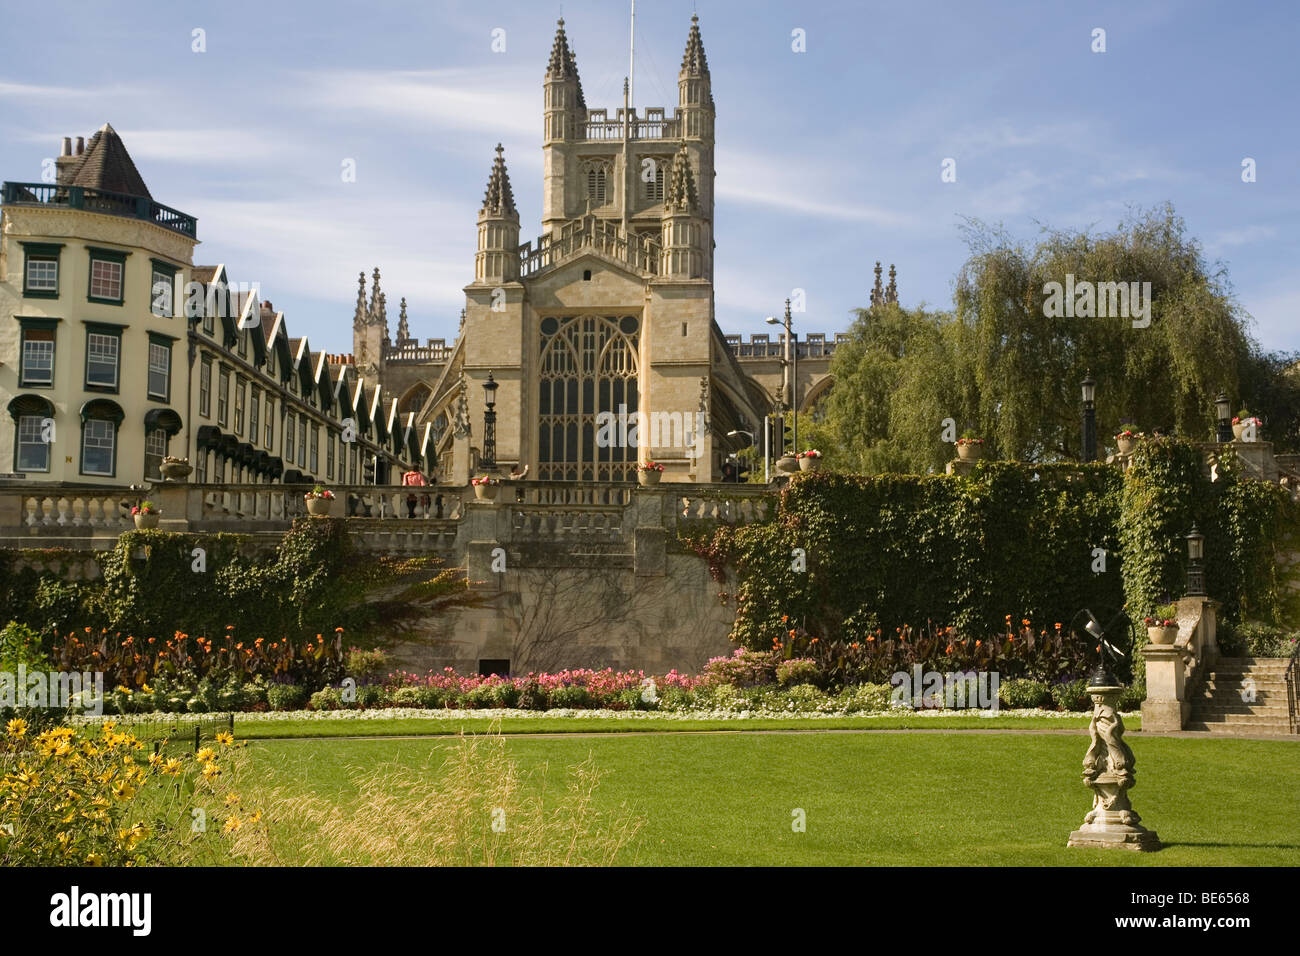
(1008, 361)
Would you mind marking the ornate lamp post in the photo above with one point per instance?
(490, 387)
(1195, 566)
(1223, 412)
(791, 362)
(1089, 419)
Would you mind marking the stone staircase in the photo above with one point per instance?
(1224, 705)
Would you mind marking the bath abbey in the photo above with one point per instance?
(608, 314)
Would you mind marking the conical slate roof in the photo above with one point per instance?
(107, 166)
(694, 63)
(499, 200)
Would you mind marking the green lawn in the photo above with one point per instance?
(883, 799)
(259, 729)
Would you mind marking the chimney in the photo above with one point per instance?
(67, 160)
(81, 145)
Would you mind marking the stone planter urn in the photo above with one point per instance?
(175, 470)
(146, 522)
(650, 477)
(809, 464)
(787, 464)
(1162, 635)
(1126, 445)
(486, 492)
(319, 507)
(970, 452)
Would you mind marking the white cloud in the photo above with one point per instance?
(786, 183)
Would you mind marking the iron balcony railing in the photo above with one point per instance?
(98, 200)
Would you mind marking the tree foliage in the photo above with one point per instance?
(1005, 365)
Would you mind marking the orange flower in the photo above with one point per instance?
(338, 630)
(1058, 625)
(978, 643)
(854, 645)
(1024, 622)
(813, 641)
(949, 651)
(230, 627)
(870, 637)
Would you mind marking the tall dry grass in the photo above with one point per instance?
(474, 809)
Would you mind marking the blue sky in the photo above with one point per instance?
(827, 160)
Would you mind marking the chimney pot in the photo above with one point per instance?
(67, 146)
(81, 145)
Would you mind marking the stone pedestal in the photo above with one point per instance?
(961, 466)
(1166, 707)
(1108, 766)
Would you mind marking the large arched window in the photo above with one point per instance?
(33, 417)
(588, 366)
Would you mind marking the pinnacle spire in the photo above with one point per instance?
(360, 315)
(563, 64)
(681, 194)
(374, 293)
(877, 290)
(403, 329)
(499, 200)
(891, 291)
(694, 62)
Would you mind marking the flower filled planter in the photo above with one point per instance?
(486, 487)
(1243, 421)
(649, 473)
(145, 515)
(809, 460)
(970, 448)
(787, 464)
(1162, 627)
(175, 469)
(1126, 441)
(319, 501)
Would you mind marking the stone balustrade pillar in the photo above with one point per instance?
(1166, 707)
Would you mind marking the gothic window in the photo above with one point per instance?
(653, 175)
(588, 366)
(596, 176)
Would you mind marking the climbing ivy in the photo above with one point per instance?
(1037, 542)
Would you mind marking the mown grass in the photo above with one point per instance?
(875, 799)
(468, 723)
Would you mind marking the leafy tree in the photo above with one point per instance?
(1008, 361)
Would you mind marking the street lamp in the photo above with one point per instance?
(752, 442)
(490, 423)
(1089, 419)
(1195, 567)
(1223, 411)
(792, 384)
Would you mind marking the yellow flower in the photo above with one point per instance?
(231, 825)
(204, 755)
(232, 799)
(225, 739)
(122, 790)
(173, 767)
(211, 770)
(257, 815)
(16, 727)
(95, 859)
(155, 759)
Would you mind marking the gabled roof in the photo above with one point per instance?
(107, 166)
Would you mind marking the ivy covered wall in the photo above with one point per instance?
(1037, 542)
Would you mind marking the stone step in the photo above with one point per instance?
(1237, 717)
(1241, 730)
(1269, 711)
(1225, 684)
(1272, 713)
(1234, 697)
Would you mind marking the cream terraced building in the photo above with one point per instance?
(116, 350)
